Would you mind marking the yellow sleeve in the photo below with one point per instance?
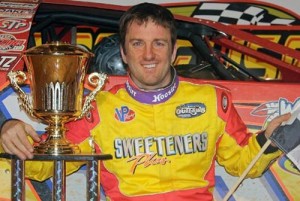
(229, 153)
(1, 148)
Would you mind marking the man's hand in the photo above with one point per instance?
(14, 139)
(275, 123)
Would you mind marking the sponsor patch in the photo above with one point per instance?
(89, 117)
(190, 110)
(124, 114)
(224, 102)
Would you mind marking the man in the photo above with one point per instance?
(165, 133)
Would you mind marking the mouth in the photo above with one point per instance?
(149, 66)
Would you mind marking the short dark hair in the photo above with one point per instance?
(143, 13)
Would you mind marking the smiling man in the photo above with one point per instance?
(164, 132)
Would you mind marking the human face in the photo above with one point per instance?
(149, 54)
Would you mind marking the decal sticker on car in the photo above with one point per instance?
(9, 42)
(13, 25)
(8, 61)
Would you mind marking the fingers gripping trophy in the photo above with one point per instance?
(56, 73)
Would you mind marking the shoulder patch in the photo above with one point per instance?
(224, 102)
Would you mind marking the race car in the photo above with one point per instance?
(208, 52)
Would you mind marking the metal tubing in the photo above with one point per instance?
(17, 179)
(59, 174)
(59, 181)
(93, 188)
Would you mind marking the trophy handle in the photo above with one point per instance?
(17, 78)
(97, 80)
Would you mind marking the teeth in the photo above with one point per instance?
(149, 66)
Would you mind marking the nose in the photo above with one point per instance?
(149, 52)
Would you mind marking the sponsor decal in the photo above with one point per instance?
(13, 25)
(124, 114)
(190, 110)
(18, 13)
(272, 109)
(288, 166)
(8, 61)
(18, 5)
(9, 42)
(148, 151)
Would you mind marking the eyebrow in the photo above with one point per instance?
(157, 39)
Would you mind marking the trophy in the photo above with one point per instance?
(56, 73)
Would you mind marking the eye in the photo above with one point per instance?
(137, 43)
(160, 43)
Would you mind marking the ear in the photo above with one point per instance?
(123, 54)
(174, 53)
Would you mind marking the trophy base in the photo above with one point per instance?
(56, 149)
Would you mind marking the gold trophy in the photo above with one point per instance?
(56, 74)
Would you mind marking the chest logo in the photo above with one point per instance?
(190, 110)
(124, 114)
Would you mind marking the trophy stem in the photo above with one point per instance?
(56, 143)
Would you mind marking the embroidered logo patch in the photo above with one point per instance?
(224, 102)
(190, 110)
(124, 114)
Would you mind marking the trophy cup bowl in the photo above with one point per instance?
(56, 73)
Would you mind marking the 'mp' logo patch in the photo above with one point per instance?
(124, 114)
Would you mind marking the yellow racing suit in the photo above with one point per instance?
(165, 142)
